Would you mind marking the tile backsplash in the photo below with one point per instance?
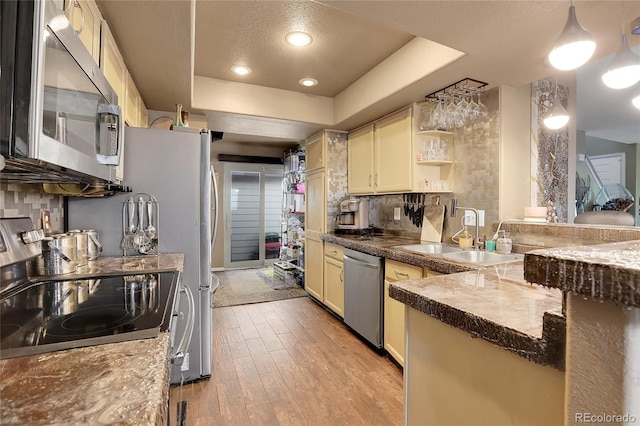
(28, 200)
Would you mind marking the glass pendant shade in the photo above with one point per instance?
(636, 101)
(557, 117)
(574, 47)
(624, 69)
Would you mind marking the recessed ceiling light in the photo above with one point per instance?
(308, 82)
(241, 69)
(298, 38)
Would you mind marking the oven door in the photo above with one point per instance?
(64, 112)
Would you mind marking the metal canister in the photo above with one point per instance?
(59, 255)
(95, 248)
(88, 244)
(82, 246)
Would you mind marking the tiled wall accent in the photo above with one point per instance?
(28, 200)
(335, 174)
(476, 175)
(550, 150)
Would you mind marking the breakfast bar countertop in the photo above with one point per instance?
(603, 272)
(125, 383)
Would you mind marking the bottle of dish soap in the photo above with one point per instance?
(465, 240)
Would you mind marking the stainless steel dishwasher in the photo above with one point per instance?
(363, 295)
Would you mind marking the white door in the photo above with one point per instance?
(253, 204)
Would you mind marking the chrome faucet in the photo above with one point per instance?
(454, 207)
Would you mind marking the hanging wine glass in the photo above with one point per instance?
(437, 115)
(450, 112)
(482, 110)
(460, 115)
(470, 110)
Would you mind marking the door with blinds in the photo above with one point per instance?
(253, 204)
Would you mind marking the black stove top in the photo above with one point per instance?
(56, 315)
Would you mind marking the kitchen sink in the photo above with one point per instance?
(430, 248)
(482, 257)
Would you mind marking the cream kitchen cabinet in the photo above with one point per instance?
(391, 155)
(136, 114)
(394, 311)
(334, 278)
(326, 186)
(360, 149)
(313, 268)
(393, 159)
(85, 19)
(379, 156)
(314, 228)
(316, 152)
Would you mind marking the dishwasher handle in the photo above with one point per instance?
(360, 262)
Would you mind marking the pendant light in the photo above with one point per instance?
(624, 69)
(557, 117)
(574, 47)
(636, 101)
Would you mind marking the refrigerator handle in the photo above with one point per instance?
(183, 347)
(214, 185)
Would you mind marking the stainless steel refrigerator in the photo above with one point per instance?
(175, 168)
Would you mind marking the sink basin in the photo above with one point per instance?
(430, 248)
(482, 257)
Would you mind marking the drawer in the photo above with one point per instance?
(396, 271)
(333, 250)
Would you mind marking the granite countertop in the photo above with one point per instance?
(494, 303)
(120, 383)
(124, 383)
(604, 272)
(384, 246)
(116, 265)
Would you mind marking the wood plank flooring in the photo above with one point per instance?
(290, 362)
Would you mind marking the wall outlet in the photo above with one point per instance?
(185, 363)
(470, 217)
(396, 213)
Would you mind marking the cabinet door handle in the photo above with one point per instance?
(375, 180)
(334, 252)
(401, 274)
(342, 275)
(369, 180)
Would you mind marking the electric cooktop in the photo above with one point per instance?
(57, 315)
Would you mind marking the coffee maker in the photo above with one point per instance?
(353, 214)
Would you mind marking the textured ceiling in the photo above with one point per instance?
(251, 33)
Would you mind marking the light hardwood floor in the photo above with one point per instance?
(290, 362)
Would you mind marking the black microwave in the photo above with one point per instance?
(60, 119)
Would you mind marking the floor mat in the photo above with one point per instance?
(244, 286)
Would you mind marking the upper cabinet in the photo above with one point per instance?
(85, 19)
(391, 155)
(316, 152)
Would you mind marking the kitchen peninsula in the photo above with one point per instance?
(518, 361)
(123, 383)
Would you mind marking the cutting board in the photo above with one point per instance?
(432, 224)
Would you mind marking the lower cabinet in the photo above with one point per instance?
(313, 268)
(334, 278)
(394, 311)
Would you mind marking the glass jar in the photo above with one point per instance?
(503, 243)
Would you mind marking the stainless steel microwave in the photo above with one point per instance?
(60, 119)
